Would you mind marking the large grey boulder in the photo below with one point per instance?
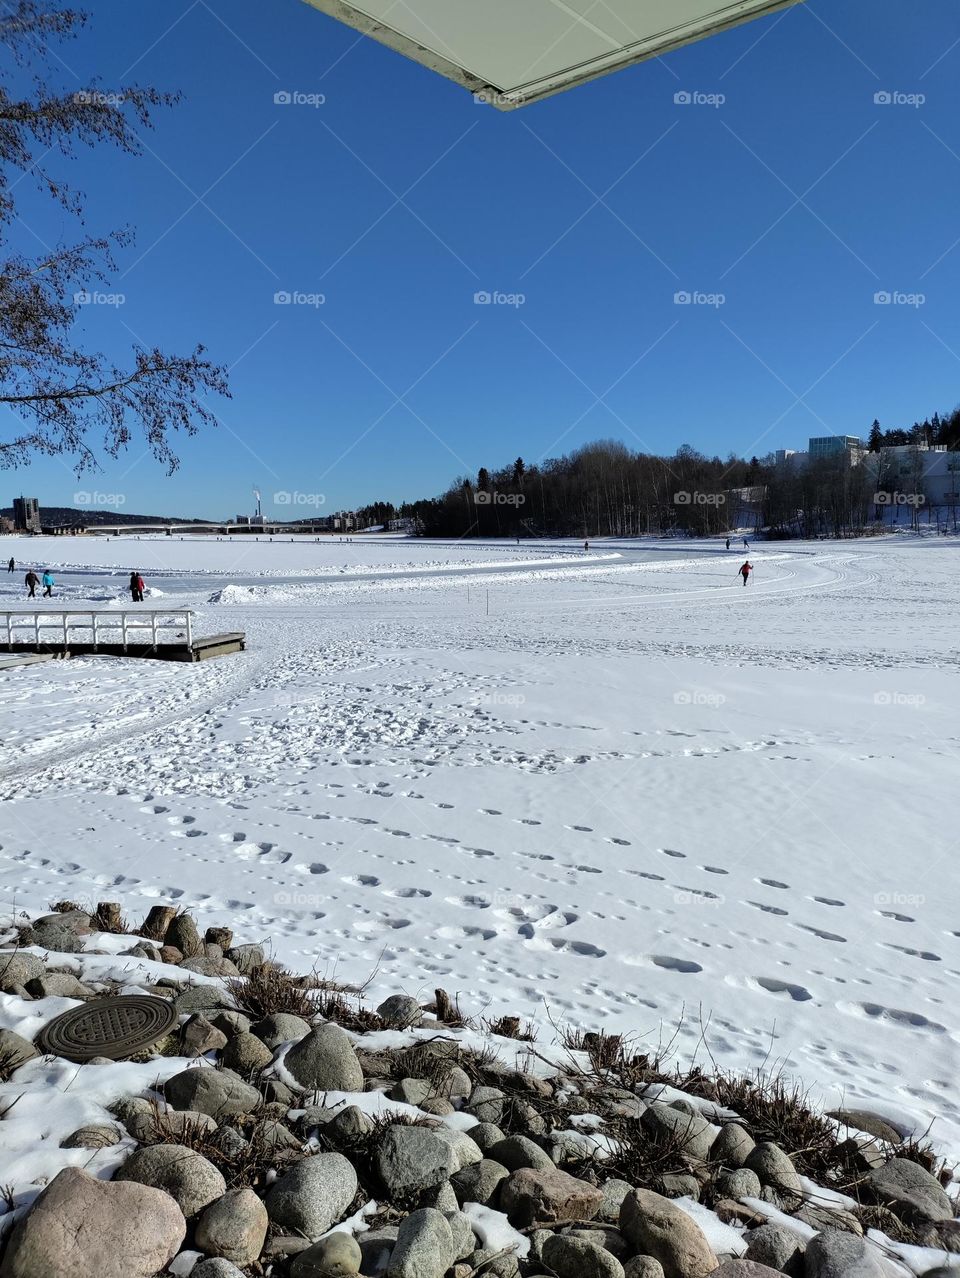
(400, 1011)
(246, 957)
(777, 1172)
(336, 1256)
(910, 1191)
(424, 1246)
(694, 1134)
(246, 1054)
(281, 1027)
(14, 1050)
(642, 1267)
(82, 1225)
(410, 1160)
(191, 1180)
(313, 1195)
(216, 1267)
(733, 1146)
(743, 1269)
(486, 1104)
(614, 1192)
(234, 1227)
(480, 1182)
(515, 1152)
(865, 1120)
(574, 1258)
(16, 968)
(325, 1061)
(833, 1254)
(55, 935)
(218, 1092)
(655, 1227)
(777, 1247)
(739, 1183)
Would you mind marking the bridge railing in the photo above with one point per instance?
(63, 626)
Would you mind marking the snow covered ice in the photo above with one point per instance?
(613, 789)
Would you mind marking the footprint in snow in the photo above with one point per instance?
(827, 900)
(768, 909)
(797, 992)
(671, 852)
(818, 932)
(672, 964)
(774, 883)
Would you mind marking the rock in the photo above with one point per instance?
(58, 985)
(733, 1146)
(169, 954)
(679, 1185)
(325, 1061)
(217, 1092)
(465, 1150)
(17, 968)
(614, 1192)
(154, 1126)
(348, 1125)
(337, 1256)
(409, 1160)
(864, 1120)
(56, 935)
(276, 1136)
(910, 1191)
(82, 1225)
(400, 1011)
(222, 936)
(411, 1091)
(231, 1023)
(642, 1267)
(529, 1196)
(313, 1195)
(833, 1253)
(93, 1136)
(245, 957)
(199, 1035)
(819, 1217)
(14, 1050)
(246, 1054)
(234, 1227)
(424, 1246)
(491, 1264)
(216, 1268)
(78, 921)
(191, 1180)
(777, 1172)
(741, 1183)
(655, 1227)
(438, 1106)
(777, 1247)
(515, 1152)
(444, 1199)
(464, 1239)
(206, 966)
(376, 1246)
(486, 1135)
(573, 1258)
(231, 1143)
(479, 1182)
(182, 933)
(157, 921)
(281, 1027)
(486, 1104)
(695, 1134)
(743, 1269)
(609, 1238)
(202, 998)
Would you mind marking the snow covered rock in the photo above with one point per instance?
(217, 1092)
(325, 1061)
(191, 1180)
(234, 1227)
(82, 1225)
(338, 1256)
(910, 1191)
(528, 1196)
(313, 1195)
(654, 1226)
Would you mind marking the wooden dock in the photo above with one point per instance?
(160, 634)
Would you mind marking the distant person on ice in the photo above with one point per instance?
(728, 543)
(10, 565)
(745, 571)
(31, 581)
(746, 544)
(48, 584)
(136, 587)
(586, 545)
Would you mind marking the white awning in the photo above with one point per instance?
(516, 51)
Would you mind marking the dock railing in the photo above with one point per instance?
(62, 626)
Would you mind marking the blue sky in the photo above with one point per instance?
(798, 199)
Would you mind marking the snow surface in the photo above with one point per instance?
(610, 788)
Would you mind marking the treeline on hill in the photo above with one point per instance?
(604, 489)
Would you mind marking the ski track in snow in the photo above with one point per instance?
(628, 798)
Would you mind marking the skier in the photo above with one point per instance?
(728, 543)
(31, 581)
(11, 566)
(586, 545)
(136, 587)
(746, 544)
(48, 584)
(745, 570)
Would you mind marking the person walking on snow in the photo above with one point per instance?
(728, 543)
(48, 584)
(745, 570)
(746, 544)
(10, 564)
(31, 581)
(136, 587)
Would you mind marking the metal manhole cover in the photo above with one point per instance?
(112, 1027)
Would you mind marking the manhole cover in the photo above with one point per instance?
(111, 1027)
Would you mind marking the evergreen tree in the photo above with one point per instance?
(875, 438)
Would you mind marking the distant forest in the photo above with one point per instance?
(604, 489)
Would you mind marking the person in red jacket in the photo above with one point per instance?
(745, 570)
(136, 587)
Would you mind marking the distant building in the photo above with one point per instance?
(26, 514)
(835, 445)
(791, 456)
(244, 520)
